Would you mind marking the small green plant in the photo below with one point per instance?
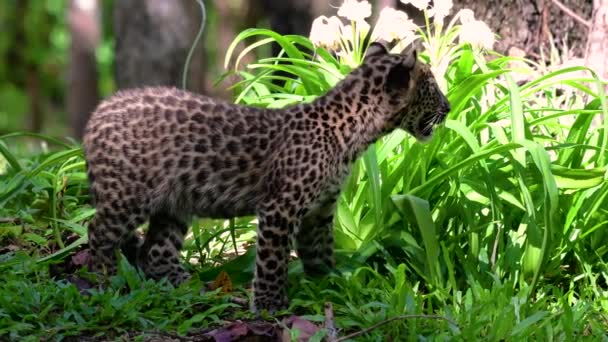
(34, 306)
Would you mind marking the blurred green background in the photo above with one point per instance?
(42, 43)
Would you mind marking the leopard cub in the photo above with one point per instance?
(163, 155)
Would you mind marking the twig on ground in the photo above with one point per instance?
(158, 335)
(330, 325)
(239, 301)
(396, 318)
(14, 220)
(571, 13)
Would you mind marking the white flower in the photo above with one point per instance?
(361, 28)
(474, 31)
(393, 25)
(86, 5)
(440, 10)
(419, 4)
(354, 10)
(466, 15)
(325, 32)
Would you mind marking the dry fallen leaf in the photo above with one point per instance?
(306, 328)
(222, 281)
(232, 332)
(245, 331)
(81, 258)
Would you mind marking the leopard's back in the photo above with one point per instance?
(164, 148)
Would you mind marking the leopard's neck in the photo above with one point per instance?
(352, 112)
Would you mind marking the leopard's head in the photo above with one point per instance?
(414, 101)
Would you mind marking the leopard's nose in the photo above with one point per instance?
(445, 106)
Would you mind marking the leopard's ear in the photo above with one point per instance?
(401, 72)
(410, 55)
(410, 58)
(376, 49)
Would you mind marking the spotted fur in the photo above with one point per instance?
(162, 155)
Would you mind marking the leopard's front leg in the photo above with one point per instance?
(275, 224)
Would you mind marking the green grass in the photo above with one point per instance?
(36, 306)
(498, 224)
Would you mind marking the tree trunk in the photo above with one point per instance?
(153, 38)
(528, 24)
(597, 43)
(198, 68)
(82, 94)
(525, 24)
(227, 26)
(26, 73)
(288, 17)
(35, 99)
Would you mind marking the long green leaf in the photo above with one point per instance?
(418, 212)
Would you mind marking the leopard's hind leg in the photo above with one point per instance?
(315, 240)
(131, 246)
(111, 230)
(159, 255)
